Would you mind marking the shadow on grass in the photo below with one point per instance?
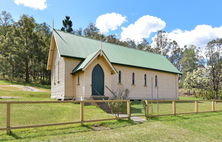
(185, 117)
(32, 133)
(14, 135)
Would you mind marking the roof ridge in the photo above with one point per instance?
(110, 43)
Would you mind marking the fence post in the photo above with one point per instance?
(174, 107)
(81, 112)
(128, 109)
(196, 106)
(213, 107)
(147, 109)
(8, 118)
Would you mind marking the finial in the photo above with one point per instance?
(52, 24)
(101, 48)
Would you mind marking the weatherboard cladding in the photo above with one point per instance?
(74, 46)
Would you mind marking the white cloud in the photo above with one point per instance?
(142, 28)
(35, 4)
(200, 36)
(109, 21)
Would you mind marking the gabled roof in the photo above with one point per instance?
(84, 64)
(73, 46)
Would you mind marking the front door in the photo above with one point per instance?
(97, 80)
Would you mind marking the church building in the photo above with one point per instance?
(82, 68)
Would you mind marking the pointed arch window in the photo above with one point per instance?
(144, 79)
(78, 79)
(119, 81)
(156, 83)
(133, 78)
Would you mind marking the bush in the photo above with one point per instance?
(208, 95)
(116, 107)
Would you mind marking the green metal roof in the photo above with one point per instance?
(82, 64)
(73, 46)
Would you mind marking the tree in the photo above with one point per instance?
(91, 31)
(190, 60)
(176, 54)
(144, 45)
(214, 63)
(67, 25)
(161, 43)
(198, 79)
(25, 42)
(6, 22)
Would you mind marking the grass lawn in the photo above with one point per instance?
(191, 127)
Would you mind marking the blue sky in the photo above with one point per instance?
(188, 22)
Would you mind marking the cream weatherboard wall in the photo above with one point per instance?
(167, 83)
(80, 86)
(70, 83)
(57, 76)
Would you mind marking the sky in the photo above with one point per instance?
(186, 21)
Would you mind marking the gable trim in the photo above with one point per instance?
(100, 53)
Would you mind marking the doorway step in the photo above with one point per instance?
(103, 105)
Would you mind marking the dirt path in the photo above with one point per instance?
(20, 88)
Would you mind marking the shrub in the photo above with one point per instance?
(116, 107)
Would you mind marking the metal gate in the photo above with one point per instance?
(138, 108)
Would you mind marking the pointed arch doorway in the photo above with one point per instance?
(97, 81)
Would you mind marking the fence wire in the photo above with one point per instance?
(160, 108)
(204, 106)
(185, 107)
(137, 108)
(218, 106)
(3, 113)
(43, 113)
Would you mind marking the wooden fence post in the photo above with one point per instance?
(128, 109)
(174, 107)
(196, 106)
(213, 107)
(147, 109)
(81, 112)
(8, 118)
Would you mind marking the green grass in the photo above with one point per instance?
(193, 127)
(189, 98)
(4, 82)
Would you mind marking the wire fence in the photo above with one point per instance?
(174, 107)
(28, 114)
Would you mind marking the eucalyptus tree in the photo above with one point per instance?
(176, 54)
(214, 63)
(6, 22)
(161, 43)
(144, 45)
